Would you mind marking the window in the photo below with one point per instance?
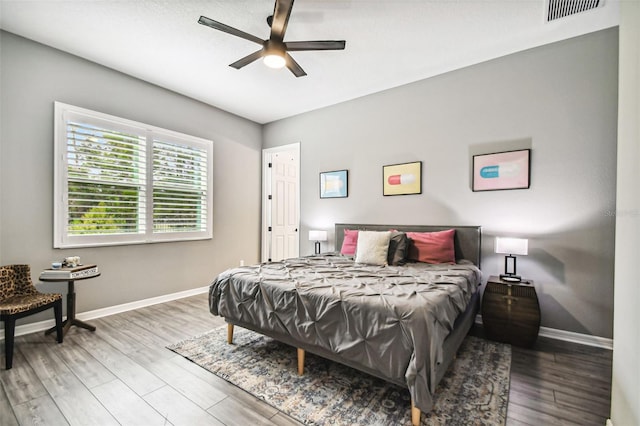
(122, 182)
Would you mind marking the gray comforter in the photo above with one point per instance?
(390, 320)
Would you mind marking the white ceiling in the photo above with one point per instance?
(389, 43)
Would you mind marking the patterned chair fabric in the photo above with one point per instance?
(17, 292)
(18, 298)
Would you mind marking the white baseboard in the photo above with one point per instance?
(103, 312)
(583, 339)
(570, 336)
(609, 422)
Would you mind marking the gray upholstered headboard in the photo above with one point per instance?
(467, 239)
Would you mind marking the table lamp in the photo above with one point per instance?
(317, 236)
(511, 246)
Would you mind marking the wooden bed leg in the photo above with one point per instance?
(230, 333)
(300, 362)
(415, 415)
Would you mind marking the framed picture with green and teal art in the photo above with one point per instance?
(334, 184)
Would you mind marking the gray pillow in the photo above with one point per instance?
(398, 248)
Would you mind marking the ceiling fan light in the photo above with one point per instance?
(274, 60)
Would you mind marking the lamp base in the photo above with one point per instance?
(317, 247)
(511, 278)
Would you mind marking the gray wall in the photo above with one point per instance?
(560, 100)
(33, 76)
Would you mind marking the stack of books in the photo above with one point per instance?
(81, 271)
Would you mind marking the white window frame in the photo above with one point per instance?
(61, 239)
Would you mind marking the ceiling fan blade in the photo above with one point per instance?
(247, 59)
(294, 46)
(227, 29)
(281, 14)
(293, 66)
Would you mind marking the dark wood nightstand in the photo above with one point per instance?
(510, 312)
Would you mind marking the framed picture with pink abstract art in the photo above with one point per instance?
(502, 170)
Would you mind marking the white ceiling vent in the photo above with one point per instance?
(560, 8)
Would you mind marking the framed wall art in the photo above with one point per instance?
(502, 170)
(334, 184)
(402, 179)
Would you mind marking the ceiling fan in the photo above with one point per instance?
(275, 50)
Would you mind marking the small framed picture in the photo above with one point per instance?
(402, 179)
(502, 170)
(334, 184)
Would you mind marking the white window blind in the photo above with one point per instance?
(123, 182)
(106, 180)
(179, 187)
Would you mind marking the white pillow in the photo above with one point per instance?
(373, 247)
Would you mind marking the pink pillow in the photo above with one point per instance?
(432, 247)
(349, 242)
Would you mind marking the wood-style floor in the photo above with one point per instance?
(122, 374)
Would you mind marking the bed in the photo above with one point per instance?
(402, 323)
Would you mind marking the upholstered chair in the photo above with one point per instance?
(19, 298)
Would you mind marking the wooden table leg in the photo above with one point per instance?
(83, 324)
(300, 362)
(415, 415)
(71, 313)
(230, 334)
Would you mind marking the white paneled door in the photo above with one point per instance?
(281, 205)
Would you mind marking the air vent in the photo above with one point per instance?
(560, 8)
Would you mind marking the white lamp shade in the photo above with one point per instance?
(317, 235)
(506, 245)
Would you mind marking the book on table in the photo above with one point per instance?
(74, 273)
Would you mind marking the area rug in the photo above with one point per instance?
(474, 391)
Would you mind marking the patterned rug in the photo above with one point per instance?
(474, 391)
